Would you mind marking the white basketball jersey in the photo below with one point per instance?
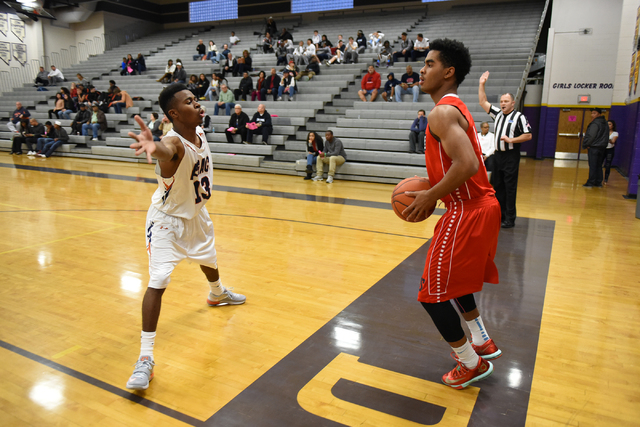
(189, 189)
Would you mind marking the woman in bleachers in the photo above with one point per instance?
(212, 52)
(193, 83)
(69, 107)
(82, 96)
(212, 91)
(58, 107)
(248, 61)
(201, 86)
(73, 91)
(314, 147)
(255, 93)
(287, 86)
(168, 72)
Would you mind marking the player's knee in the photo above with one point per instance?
(160, 280)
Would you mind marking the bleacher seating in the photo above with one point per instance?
(375, 135)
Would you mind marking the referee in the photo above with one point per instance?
(511, 129)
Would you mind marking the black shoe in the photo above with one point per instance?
(307, 177)
(587, 185)
(507, 224)
(309, 170)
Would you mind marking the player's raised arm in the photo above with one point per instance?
(482, 95)
(161, 150)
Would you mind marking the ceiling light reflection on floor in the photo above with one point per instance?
(48, 392)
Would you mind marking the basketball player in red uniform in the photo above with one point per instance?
(460, 258)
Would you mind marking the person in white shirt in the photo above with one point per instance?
(351, 52)
(234, 39)
(375, 40)
(315, 39)
(55, 76)
(309, 51)
(420, 48)
(487, 144)
(297, 55)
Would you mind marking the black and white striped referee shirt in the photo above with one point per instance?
(512, 125)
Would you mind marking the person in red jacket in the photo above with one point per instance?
(370, 85)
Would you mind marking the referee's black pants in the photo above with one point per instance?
(505, 181)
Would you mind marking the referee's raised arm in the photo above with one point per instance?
(482, 95)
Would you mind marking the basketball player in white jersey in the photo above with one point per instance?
(178, 224)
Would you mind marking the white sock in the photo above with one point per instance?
(479, 334)
(147, 339)
(216, 287)
(467, 355)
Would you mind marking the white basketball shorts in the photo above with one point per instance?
(171, 239)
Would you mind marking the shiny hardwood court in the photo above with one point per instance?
(331, 333)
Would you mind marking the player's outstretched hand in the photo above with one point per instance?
(144, 140)
(484, 77)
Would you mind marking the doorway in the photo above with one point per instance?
(572, 125)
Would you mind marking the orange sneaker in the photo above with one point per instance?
(461, 376)
(488, 350)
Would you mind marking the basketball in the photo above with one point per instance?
(400, 201)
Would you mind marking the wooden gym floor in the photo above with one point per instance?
(331, 333)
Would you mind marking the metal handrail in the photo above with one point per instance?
(532, 52)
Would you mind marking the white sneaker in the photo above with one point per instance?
(279, 98)
(31, 153)
(329, 179)
(226, 298)
(142, 374)
(94, 139)
(41, 155)
(317, 178)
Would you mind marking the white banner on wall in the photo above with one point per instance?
(5, 52)
(4, 25)
(17, 28)
(20, 52)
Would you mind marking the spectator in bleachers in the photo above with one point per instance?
(226, 100)
(271, 85)
(292, 68)
(179, 75)
(131, 65)
(214, 86)
(141, 64)
(48, 135)
(244, 88)
(193, 83)
(237, 125)
(420, 48)
(370, 85)
(410, 82)
(339, 56)
(202, 85)
(375, 40)
(267, 43)
(69, 107)
(287, 86)
(222, 56)
(201, 49)
(55, 76)
(285, 35)
(281, 53)
(248, 61)
(272, 28)
(385, 56)
(256, 93)
(19, 139)
(487, 144)
(233, 40)
(165, 125)
(59, 106)
(212, 52)
(390, 87)
(73, 91)
(82, 116)
(168, 72)
(239, 67)
(61, 138)
(117, 101)
(262, 119)
(362, 41)
(93, 95)
(416, 134)
(82, 96)
(34, 131)
(228, 64)
(19, 114)
(124, 68)
(298, 54)
(406, 47)
(154, 126)
(351, 52)
(82, 81)
(333, 154)
(97, 121)
(312, 69)
(42, 78)
(309, 51)
(323, 52)
(314, 147)
(315, 39)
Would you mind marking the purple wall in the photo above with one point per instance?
(533, 116)
(547, 132)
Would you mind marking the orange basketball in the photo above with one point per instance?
(400, 201)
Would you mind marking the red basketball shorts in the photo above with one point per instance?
(460, 258)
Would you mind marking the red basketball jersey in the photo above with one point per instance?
(438, 163)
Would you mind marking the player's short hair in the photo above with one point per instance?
(453, 54)
(155, 115)
(484, 123)
(329, 131)
(510, 95)
(167, 97)
(423, 112)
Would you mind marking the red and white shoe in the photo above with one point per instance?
(488, 351)
(461, 376)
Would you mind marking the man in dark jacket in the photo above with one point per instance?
(271, 85)
(334, 154)
(595, 140)
(83, 116)
(416, 136)
(179, 75)
(202, 50)
(313, 68)
(238, 125)
(262, 119)
(245, 87)
(29, 135)
(61, 138)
